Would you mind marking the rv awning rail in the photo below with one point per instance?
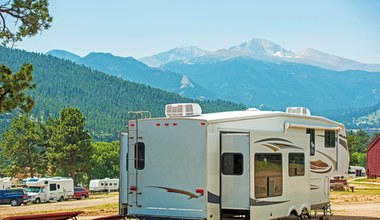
(321, 127)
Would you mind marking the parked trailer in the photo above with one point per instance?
(356, 171)
(5, 183)
(49, 189)
(104, 185)
(248, 164)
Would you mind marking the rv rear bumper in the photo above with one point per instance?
(150, 217)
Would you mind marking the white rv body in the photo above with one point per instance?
(103, 185)
(356, 171)
(49, 189)
(5, 183)
(256, 164)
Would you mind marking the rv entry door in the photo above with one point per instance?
(234, 167)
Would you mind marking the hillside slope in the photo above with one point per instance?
(103, 99)
(280, 84)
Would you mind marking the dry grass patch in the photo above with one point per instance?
(361, 195)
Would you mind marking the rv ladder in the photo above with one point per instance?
(134, 127)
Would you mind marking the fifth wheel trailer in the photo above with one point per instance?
(248, 164)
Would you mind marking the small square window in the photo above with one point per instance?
(330, 139)
(232, 163)
(296, 164)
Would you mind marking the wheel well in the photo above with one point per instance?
(294, 212)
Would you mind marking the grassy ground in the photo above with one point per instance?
(366, 190)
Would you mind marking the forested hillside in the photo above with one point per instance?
(103, 99)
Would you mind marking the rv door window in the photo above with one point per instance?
(330, 138)
(268, 175)
(312, 140)
(296, 164)
(53, 187)
(232, 163)
(140, 156)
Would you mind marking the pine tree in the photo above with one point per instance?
(69, 147)
(13, 87)
(29, 17)
(22, 147)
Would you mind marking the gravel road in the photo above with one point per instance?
(369, 211)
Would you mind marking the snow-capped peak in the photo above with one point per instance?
(263, 47)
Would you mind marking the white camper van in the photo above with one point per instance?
(103, 185)
(248, 164)
(49, 189)
(5, 183)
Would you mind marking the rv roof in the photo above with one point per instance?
(237, 115)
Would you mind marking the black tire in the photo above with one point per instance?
(38, 200)
(61, 199)
(15, 202)
(82, 197)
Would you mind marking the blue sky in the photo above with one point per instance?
(347, 28)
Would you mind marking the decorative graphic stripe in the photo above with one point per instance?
(343, 143)
(330, 158)
(271, 147)
(254, 202)
(277, 146)
(212, 198)
(273, 139)
(314, 187)
(285, 145)
(324, 171)
(179, 191)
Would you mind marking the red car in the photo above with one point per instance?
(80, 193)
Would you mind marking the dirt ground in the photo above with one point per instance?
(342, 209)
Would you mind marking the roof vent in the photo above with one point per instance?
(183, 110)
(298, 110)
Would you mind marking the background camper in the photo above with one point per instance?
(104, 185)
(49, 189)
(5, 183)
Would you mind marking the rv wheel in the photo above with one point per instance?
(38, 200)
(61, 199)
(304, 214)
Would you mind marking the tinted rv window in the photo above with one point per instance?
(312, 140)
(296, 164)
(330, 138)
(53, 187)
(268, 175)
(232, 163)
(140, 156)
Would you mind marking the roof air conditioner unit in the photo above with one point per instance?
(298, 110)
(183, 110)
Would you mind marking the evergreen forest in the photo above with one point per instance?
(103, 99)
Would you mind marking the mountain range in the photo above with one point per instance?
(260, 49)
(103, 99)
(133, 70)
(257, 73)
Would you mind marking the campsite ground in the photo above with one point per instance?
(363, 203)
